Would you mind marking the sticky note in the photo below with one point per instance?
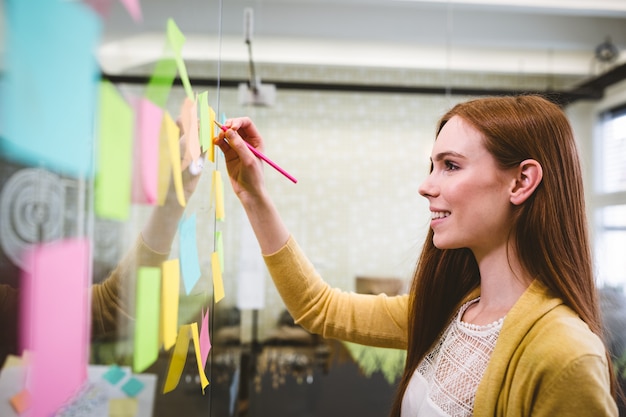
(205, 339)
(48, 109)
(204, 382)
(114, 374)
(123, 407)
(147, 313)
(132, 387)
(177, 360)
(164, 165)
(133, 8)
(217, 188)
(161, 80)
(207, 126)
(190, 265)
(114, 155)
(148, 118)
(169, 302)
(189, 119)
(176, 40)
(218, 284)
(172, 133)
(54, 321)
(179, 356)
(21, 401)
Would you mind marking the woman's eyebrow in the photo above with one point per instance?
(443, 155)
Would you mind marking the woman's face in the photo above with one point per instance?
(467, 192)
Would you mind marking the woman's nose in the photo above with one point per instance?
(427, 188)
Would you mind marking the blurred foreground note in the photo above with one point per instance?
(148, 117)
(176, 40)
(55, 322)
(169, 302)
(189, 262)
(114, 155)
(50, 84)
(147, 307)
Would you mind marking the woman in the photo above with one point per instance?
(502, 317)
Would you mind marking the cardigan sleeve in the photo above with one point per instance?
(374, 320)
(110, 305)
(580, 390)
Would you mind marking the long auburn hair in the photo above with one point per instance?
(550, 228)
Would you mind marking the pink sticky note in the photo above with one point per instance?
(133, 8)
(54, 321)
(148, 118)
(189, 118)
(205, 340)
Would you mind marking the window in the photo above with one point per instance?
(610, 199)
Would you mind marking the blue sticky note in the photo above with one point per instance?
(132, 387)
(50, 85)
(114, 374)
(189, 263)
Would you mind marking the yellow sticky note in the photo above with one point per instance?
(147, 306)
(169, 302)
(218, 189)
(210, 150)
(172, 133)
(196, 345)
(177, 361)
(165, 165)
(176, 40)
(123, 407)
(218, 284)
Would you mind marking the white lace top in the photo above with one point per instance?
(445, 382)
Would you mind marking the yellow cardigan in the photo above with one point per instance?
(546, 361)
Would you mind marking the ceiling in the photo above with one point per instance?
(500, 36)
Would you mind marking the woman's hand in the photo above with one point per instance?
(244, 168)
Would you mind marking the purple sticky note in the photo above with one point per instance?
(54, 323)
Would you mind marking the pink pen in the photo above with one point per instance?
(263, 157)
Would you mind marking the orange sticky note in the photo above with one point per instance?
(189, 119)
(21, 401)
(172, 133)
(218, 284)
(169, 299)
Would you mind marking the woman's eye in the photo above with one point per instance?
(451, 166)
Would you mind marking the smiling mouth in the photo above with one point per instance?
(439, 214)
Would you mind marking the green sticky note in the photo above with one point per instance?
(176, 39)
(113, 155)
(161, 81)
(205, 124)
(147, 314)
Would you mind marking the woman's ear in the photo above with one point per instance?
(528, 177)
